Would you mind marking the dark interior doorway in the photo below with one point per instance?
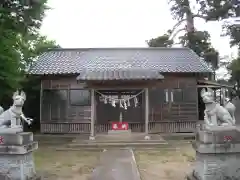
(106, 113)
(201, 105)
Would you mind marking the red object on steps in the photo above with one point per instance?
(119, 126)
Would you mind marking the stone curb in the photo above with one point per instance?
(135, 164)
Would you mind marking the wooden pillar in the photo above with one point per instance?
(147, 137)
(40, 109)
(215, 94)
(92, 135)
(220, 96)
(224, 95)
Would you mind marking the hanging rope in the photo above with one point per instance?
(123, 102)
(114, 99)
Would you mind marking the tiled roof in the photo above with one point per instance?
(69, 61)
(140, 74)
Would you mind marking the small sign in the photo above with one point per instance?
(1, 140)
(227, 138)
(119, 126)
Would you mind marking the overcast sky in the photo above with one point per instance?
(116, 23)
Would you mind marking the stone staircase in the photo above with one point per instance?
(118, 141)
(111, 140)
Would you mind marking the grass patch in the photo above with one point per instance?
(165, 164)
(65, 165)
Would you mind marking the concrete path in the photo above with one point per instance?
(116, 165)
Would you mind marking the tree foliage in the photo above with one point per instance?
(20, 44)
(9, 66)
(233, 32)
(33, 46)
(20, 41)
(161, 41)
(199, 41)
(234, 69)
(234, 66)
(22, 16)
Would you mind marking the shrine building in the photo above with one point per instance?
(94, 90)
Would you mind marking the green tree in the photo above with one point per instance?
(31, 47)
(234, 68)
(31, 84)
(19, 20)
(208, 10)
(9, 65)
(224, 10)
(22, 16)
(161, 41)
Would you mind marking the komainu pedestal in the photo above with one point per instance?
(217, 154)
(16, 156)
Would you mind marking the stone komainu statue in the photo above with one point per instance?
(215, 114)
(12, 117)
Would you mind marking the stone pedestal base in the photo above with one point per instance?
(16, 156)
(217, 155)
(218, 166)
(124, 132)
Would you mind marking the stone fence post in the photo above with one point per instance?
(217, 154)
(16, 156)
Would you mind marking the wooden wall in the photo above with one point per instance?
(56, 105)
(56, 101)
(175, 99)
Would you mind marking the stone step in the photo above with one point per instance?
(139, 137)
(110, 142)
(119, 145)
(117, 137)
(100, 149)
(111, 132)
(53, 140)
(121, 134)
(116, 141)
